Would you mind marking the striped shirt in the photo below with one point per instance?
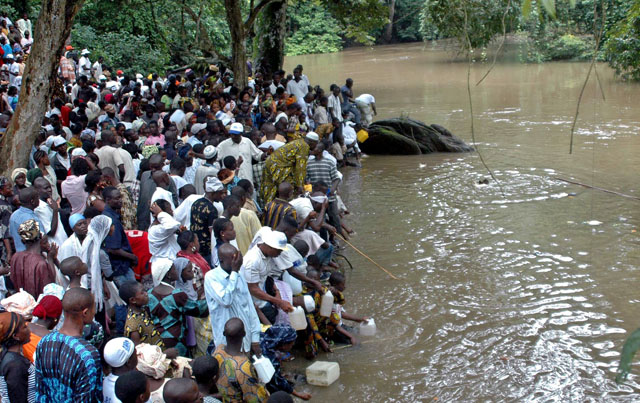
(68, 369)
(275, 211)
(322, 170)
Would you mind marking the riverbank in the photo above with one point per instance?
(509, 297)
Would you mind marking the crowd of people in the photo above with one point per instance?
(164, 230)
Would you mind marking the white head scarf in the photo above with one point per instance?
(181, 264)
(159, 269)
(98, 231)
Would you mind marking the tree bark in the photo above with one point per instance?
(204, 40)
(270, 31)
(238, 42)
(388, 30)
(51, 31)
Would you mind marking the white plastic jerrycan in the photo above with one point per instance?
(326, 306)
(368, 328)
(297, 318)
(264, 368)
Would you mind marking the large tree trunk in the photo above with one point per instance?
(51, 31)
(238, 42)
(388, 30)
(270, 31)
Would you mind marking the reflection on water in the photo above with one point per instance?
(521, 294)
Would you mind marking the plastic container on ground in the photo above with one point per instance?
(297, 318)
(368, 328)
(323, 373)
(264, 368)
(326, 306)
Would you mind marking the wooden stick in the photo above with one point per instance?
(371, 260)
(599, 188)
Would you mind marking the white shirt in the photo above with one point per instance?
(71, 247)
(246, 149)
(255, 269)
(303, 207)
(336, 107)
(299, 89)
(109, 157)
(183, 212)
(97, 70)
(84, 67)
(179, 181)
(129, 168)
(163, 241)
(45, 214)
(349, 134)
(109, 389)
(366, 98)
(14, 69)
(228, 297)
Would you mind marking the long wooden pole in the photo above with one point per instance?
(367, 257)
(599, 188)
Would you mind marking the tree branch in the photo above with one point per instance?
(209, 47)
(254, 14)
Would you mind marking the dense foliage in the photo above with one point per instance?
(623, 45)
(311, 29)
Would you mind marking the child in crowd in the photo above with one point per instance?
(139, 326)
(205, 371)
(337, 285)
(74, 269)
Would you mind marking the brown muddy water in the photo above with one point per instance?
(526, 296)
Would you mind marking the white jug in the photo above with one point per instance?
(264, 368)
(294, 283)
(297, 318)
(368, 328)
(309, 303)
(326, 306)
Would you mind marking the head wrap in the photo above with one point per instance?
(97, 232)
(118, 351)
(52, 289)
(183, 152)
(318, 199)
(213, 184)
(181, 264)
(73, 220)
(290, 100)
(89, 134)
(3, 181)
(108, 98)
(33, 174)
(49, 307)
(152, 361)
(29, 231)
(148, 151)
(275, 336)
(137, 125)
(110, 108)
(78, 152)
(16, 172)
(9, 322)
(21, 303)
(159, 269)
(226, 175)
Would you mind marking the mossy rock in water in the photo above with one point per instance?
(404, 136)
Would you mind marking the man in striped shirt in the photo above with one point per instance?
(279, 207)
(322, 169)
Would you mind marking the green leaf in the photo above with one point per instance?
(572, 3)
(550, 7)
(631, 345)
(526, 8)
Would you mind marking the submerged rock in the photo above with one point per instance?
(405, 136)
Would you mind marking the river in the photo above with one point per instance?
(520, 294)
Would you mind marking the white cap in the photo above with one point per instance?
(198, 127)
(138, 76)
(275, 239)
(78, 152)
(210, 152)
(85, 52)
(213, 184)
(312, 136)
(118, 351)
(236, 128)
(58, 141)
(102, 77)
(9, 56)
